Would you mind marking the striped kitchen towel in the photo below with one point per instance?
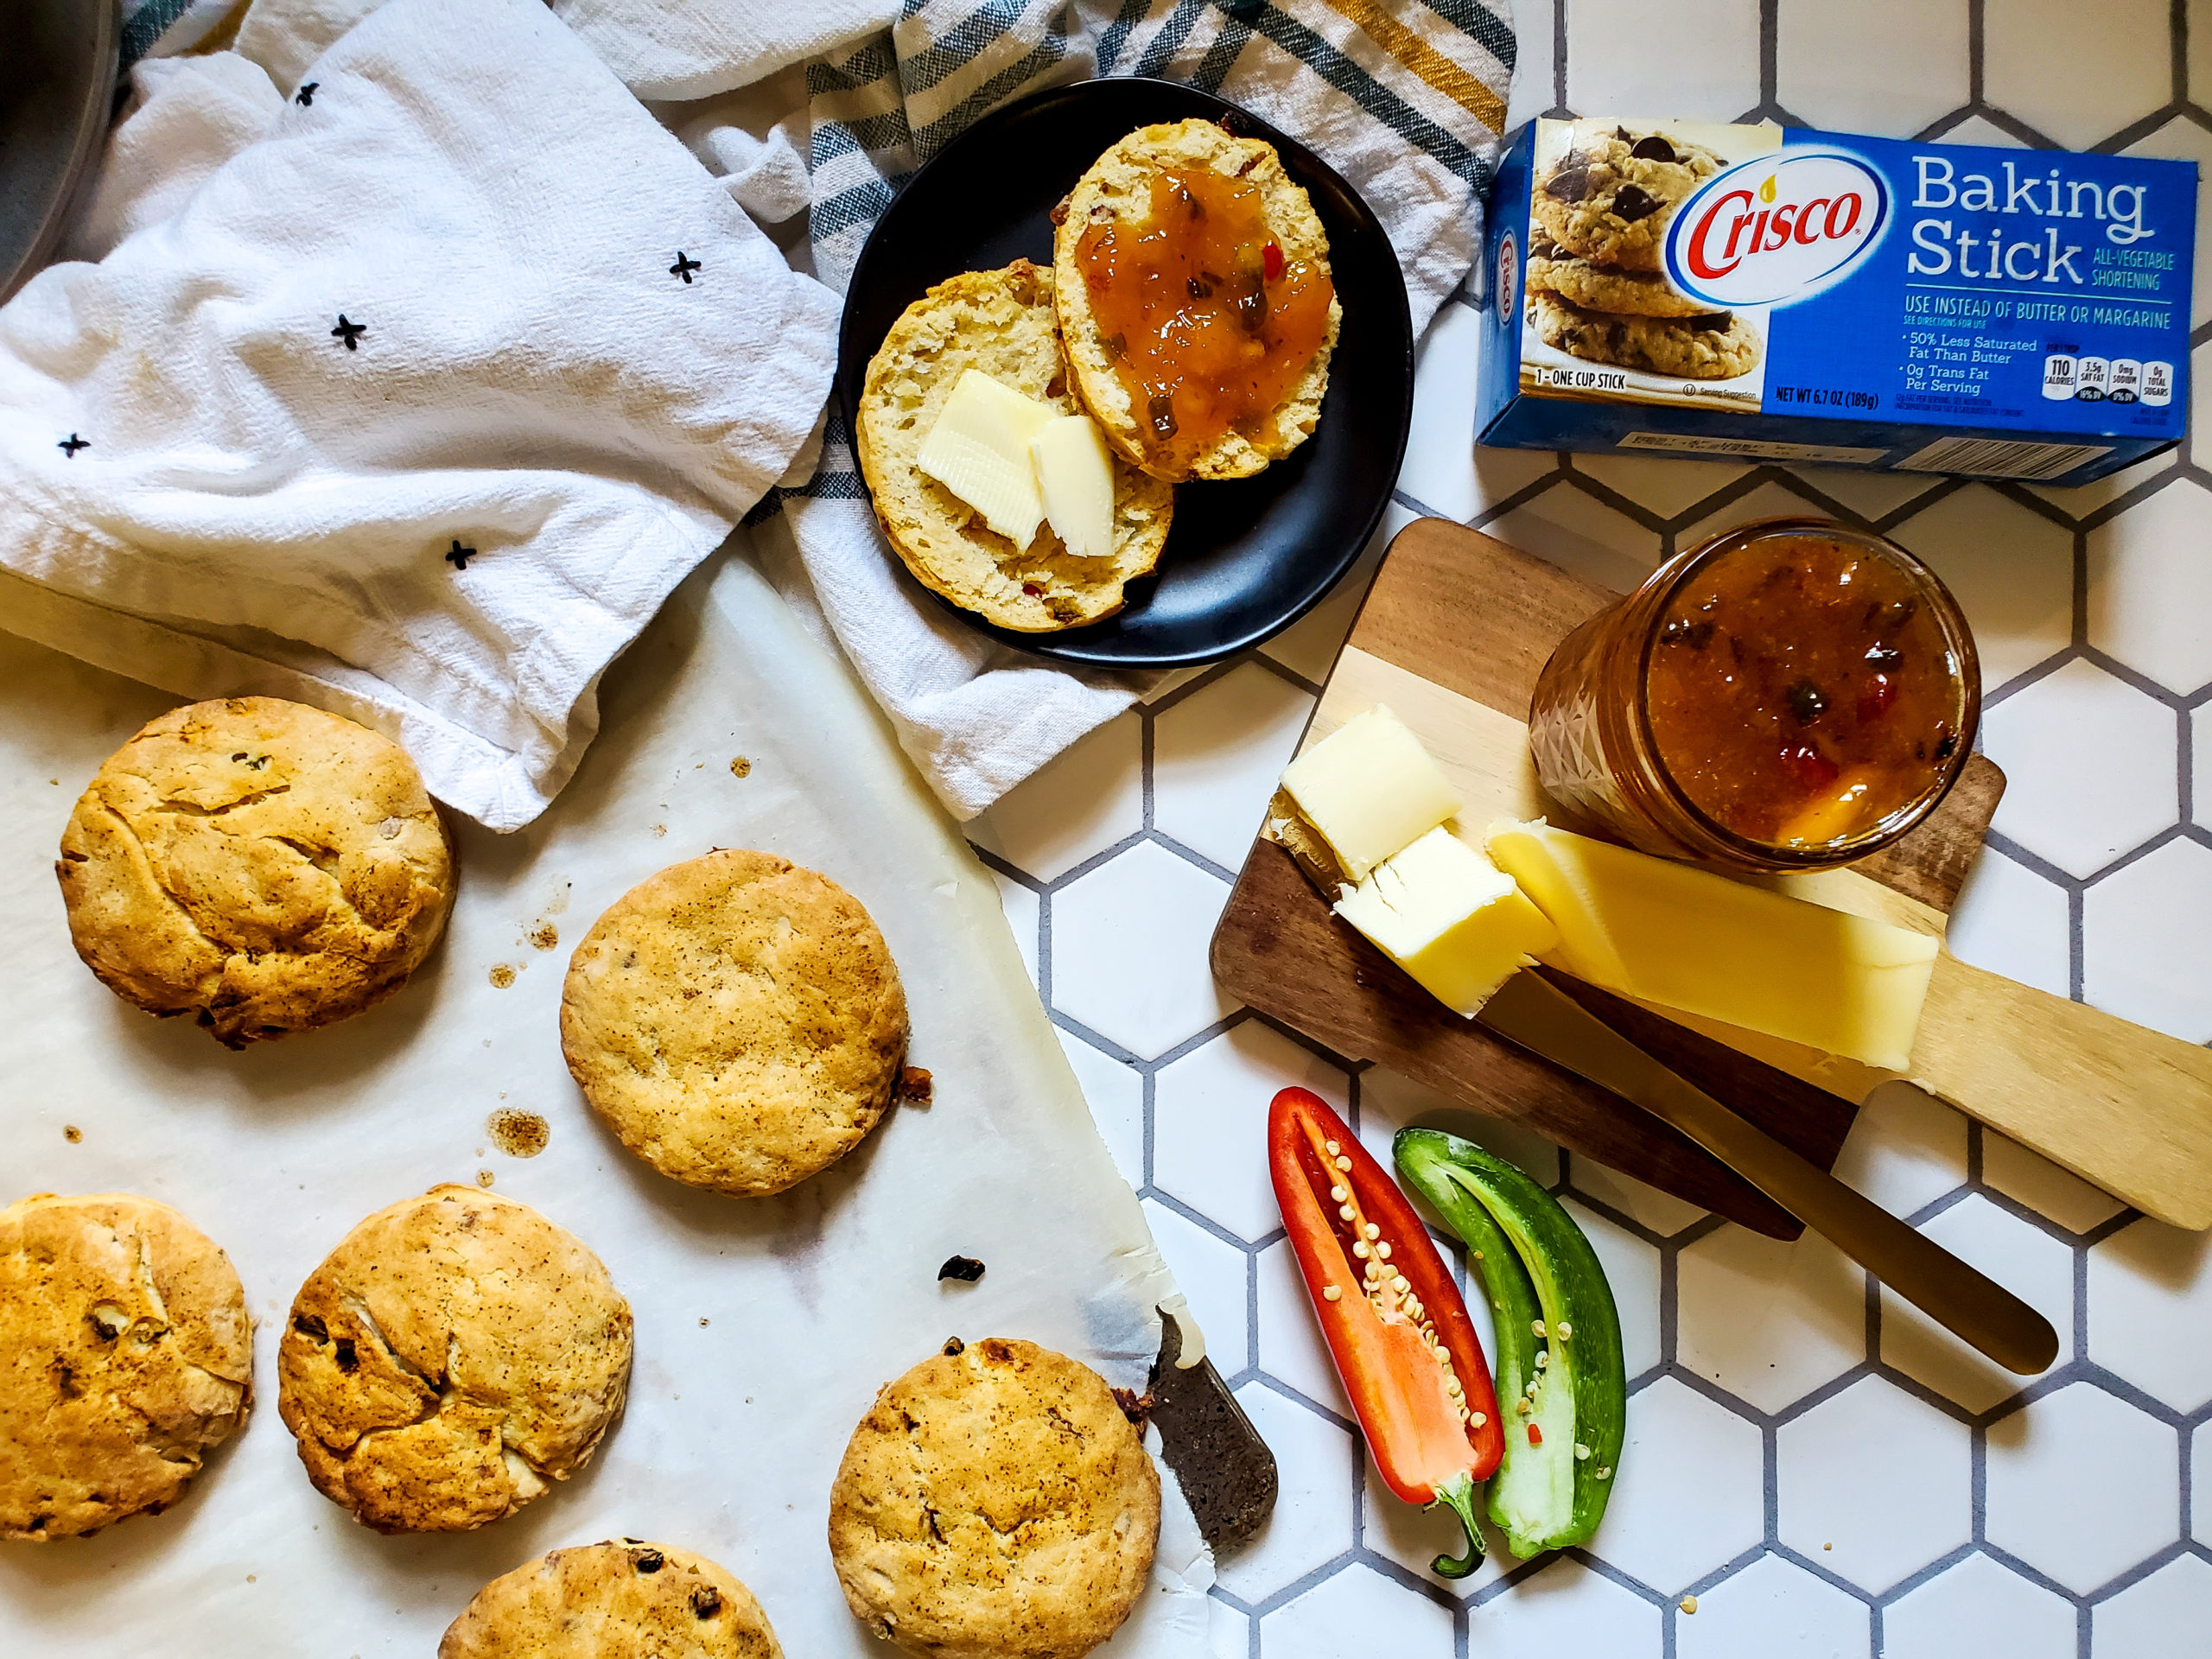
(1405, 98)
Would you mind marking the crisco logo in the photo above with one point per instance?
(1776, 229)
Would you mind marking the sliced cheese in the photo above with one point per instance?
(1368, 789)
(979, 449)
(1450, 917)
(1694, 940)
(1075, 475)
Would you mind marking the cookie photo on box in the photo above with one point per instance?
(1597, 291)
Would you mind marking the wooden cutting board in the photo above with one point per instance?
(1453, 635)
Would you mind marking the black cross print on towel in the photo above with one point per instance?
(459, 555)
(70, 445)
(305, 97)
(351, 333)
(684, 266)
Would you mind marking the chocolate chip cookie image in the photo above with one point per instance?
(259, 865)
(455, 1355)
(736, 1020)
(1610, 199)
(995, 1503)
(1718, 345)
(1594, 287)
(626, 1600)
(126, 1355)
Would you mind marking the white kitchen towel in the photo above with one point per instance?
(1405, 98)
(415, 409)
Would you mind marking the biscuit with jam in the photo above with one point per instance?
(1192, 277)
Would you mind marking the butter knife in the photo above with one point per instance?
(1544, 1020)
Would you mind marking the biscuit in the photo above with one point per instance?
(1716, 347)
(454, 1355)
(126, 1357)
(1000, 323)
(995, 1503)
(736, 1020)
(630, 1601)
(1118, 187)
(1602, 288)
(1611, 198)
(260, 865)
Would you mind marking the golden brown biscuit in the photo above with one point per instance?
(261, 865)
(125, 1355)
(1118, 187)
(1000, 323)
(452, 1356)
(995, 1503)
(737, 1021)
(630, 1601)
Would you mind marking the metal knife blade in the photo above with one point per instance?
(1545, 1020)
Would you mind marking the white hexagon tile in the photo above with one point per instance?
(1812, 1468)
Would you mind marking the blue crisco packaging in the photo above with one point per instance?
(1772, 292)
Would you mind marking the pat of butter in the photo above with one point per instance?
(1694, 940)
(979, 449)
(1368, 789)
(1075, 474)
(1449, 916)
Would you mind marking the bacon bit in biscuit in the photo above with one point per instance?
(916, 1085)
(954, 1345)
(706, 1601)
(1058, 216)
(1135, 1406)
(965, 1269)
(311, 1325)
(648, 1560)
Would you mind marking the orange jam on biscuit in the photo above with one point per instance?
(1209, 325)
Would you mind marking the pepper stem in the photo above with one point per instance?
(1458, 1494)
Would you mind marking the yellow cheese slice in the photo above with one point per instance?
(1694, 940)
(979, 449)
(1368, 789)
(1450, 917)
(1075, 475)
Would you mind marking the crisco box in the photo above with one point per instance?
(1694, 289)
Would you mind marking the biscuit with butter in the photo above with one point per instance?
(126, 1355)
(630, 1601)
(1000, 324)
(995, 1503)
(736, 1020)
(1116, 193)
(260, 865)
(453, 1358)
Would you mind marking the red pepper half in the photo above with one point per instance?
(1393, 1318)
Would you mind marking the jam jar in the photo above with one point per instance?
(1792, 695)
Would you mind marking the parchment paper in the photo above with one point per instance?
(763, 1327)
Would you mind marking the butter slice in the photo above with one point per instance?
(1696, 941)
(1449, 916)
(979, 449)
(1075, 475)
(1369, 789)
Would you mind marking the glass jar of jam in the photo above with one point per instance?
(1790, 696)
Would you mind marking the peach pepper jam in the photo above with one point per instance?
(1208, 324)
(1790, 695)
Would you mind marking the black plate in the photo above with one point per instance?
(1244, 560)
